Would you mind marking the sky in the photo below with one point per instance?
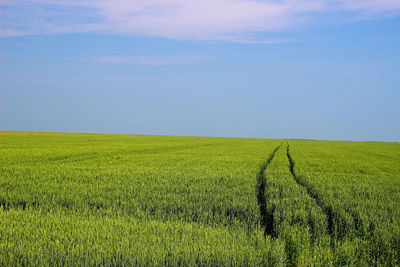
(320, 69)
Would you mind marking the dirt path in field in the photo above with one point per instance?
(267, 216)
(325, 208)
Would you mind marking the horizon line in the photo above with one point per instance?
(198, 136)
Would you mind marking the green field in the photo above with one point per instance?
(93, 199)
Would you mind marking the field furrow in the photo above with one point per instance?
(267, 216)
(324, 207)
(360, 183)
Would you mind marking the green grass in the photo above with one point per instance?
(92, 199)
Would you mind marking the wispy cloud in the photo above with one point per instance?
(229, 20)
(161, 60)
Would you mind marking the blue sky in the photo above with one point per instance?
(244, 68)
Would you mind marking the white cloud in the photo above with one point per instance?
(230, 20)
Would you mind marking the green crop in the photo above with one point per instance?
(359, 184)
(91, 199)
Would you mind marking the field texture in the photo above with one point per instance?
(83, 199)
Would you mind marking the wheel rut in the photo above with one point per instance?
(328, 210)
(267, 215)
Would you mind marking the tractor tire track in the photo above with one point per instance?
(267, 215)
(327, 209)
